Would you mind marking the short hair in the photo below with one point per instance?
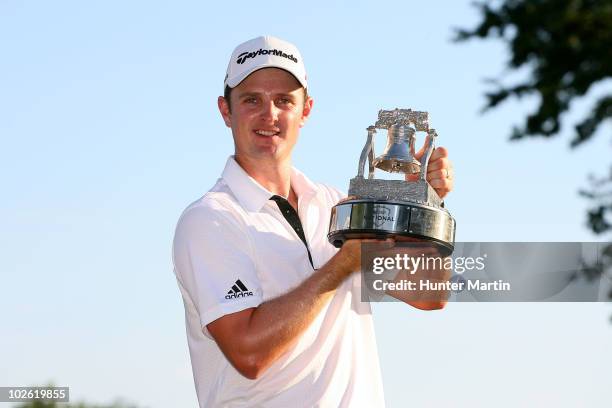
(227, 95)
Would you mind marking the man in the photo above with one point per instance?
(273, 311)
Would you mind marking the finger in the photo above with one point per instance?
(438, 174)
(388, 240)
(438, 153)
(442, 173)
(378, 246)
(442, 186)
(388, 243)
(412, 177)
(439, 163)
(352, 197)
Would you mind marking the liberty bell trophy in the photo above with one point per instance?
(402, 210)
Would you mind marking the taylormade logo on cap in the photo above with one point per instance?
(264, 52)
(245, 55)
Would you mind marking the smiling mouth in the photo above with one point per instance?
(267, 132)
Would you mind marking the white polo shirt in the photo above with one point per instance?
(233, 250)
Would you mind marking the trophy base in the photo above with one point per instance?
(380, 219)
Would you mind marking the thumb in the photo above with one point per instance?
(420, 153)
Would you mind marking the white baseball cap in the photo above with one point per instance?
(264, 52)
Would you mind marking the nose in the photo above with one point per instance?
(269, 112)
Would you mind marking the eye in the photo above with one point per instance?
(250, 100)
(285, 101)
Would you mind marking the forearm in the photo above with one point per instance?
(275, 325)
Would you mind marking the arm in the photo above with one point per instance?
(255, 338)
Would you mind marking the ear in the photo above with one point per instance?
(224, 109)
(306, 111)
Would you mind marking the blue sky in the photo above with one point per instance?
(109, 128)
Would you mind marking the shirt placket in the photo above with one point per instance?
(292, 217)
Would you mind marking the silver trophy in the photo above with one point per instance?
(394, 208)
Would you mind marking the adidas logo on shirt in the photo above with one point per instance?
(238, 290)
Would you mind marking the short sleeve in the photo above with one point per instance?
(213, 261)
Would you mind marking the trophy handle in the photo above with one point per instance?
(367, 153)
(429, 148)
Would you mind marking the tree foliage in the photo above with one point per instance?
(567, 47)
(566, 44)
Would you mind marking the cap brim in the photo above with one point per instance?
(234, 82)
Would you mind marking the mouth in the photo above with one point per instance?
(267, 132)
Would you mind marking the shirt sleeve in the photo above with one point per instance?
(214, 262)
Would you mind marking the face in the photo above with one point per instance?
(267, 111)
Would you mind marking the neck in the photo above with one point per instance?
(272, 175)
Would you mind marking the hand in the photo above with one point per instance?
(433, 269)
(348, 198)
(440, 173)
(349, 255)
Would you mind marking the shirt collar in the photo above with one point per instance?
(252, 195)
(303, 187)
